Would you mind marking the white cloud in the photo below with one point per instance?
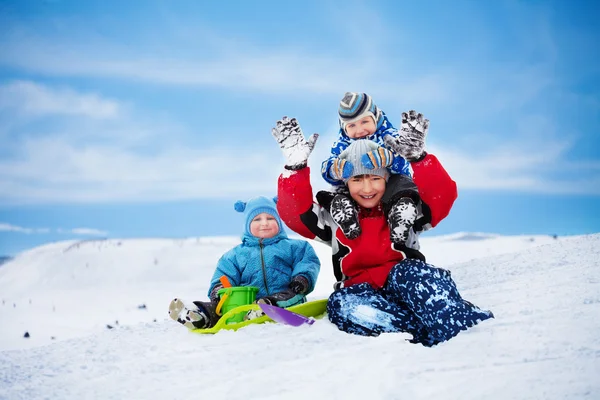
(125, 158)
(536, 168)
(51, 170)
(4, 227)
(201, 57)
(68, 166)
(266, 71)
(84, 231)
(36, 99)
(54, 169)
(239, 65)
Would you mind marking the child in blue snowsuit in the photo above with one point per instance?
(361, 119)
(284, 270)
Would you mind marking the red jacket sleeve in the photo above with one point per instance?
(436, 188)
(294, 198)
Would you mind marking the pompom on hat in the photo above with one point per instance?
(354, 154)
(355, 106)
(255, 206)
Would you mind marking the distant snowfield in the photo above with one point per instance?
(543, 344)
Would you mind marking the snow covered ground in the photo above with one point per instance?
(543, 344)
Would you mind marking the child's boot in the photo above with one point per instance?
(190, 316)
(344, 213)
(209, 311)
(401, 217)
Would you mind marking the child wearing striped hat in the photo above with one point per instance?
(361, 119)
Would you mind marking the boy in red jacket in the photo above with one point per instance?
(380, 287)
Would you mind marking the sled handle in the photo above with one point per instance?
(226, 284)
(221, 302)
(225, 281)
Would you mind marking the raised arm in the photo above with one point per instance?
(436, 188)
(295, 196)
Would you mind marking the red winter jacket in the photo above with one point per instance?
(371, 256)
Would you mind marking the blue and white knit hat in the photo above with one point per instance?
(355, 106)
(354, 154)
(255, 206)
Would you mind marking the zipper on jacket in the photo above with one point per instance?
(264, 268)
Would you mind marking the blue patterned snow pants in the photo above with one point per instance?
(417, 298)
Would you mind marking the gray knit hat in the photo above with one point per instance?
(354, 153)
(355, 106)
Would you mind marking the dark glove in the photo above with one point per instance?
(411, 142)
(324, 198)
(299, 284)
(289, 297)
(275, 298)
(294, 146)
(214, 293)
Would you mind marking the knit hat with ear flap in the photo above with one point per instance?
(354, 153)
(255, 206)
(355, 106)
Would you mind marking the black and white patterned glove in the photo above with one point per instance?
(294, 146)
(411, 142)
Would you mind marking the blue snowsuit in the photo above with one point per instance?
(269, 264)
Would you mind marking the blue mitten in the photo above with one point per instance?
(340, 169)
(379, 158)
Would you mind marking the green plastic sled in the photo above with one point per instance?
(315, 308)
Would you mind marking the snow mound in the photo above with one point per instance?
(543, 343)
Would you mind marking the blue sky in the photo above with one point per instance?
(150, 118)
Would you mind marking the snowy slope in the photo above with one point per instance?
(544, 342)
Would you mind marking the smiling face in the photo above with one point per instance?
(362, 128)
(264, 226)
(367, 190)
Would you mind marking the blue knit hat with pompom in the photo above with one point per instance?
(255, 206)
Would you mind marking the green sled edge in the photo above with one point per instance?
(314, 308)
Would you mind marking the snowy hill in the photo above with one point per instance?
(544, 342)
